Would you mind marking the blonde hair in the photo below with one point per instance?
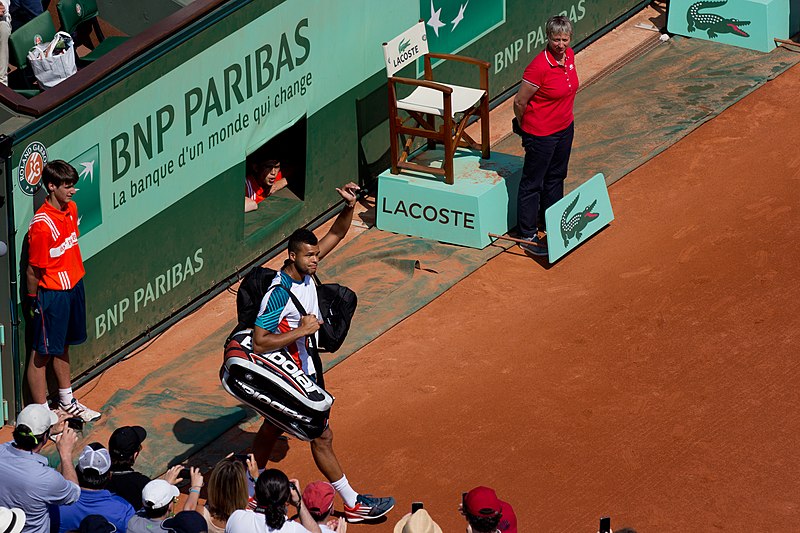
(227, 489)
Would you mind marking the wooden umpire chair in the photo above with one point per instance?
(452, 104)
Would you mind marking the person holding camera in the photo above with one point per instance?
(28, 482)
(274, 493)
(543, 117)
(158, 499)
(227, 491)
(93, 473)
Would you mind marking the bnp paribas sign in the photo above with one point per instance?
(452, 25)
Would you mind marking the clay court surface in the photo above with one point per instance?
(651, 375)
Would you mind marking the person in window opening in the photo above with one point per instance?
(263, 179)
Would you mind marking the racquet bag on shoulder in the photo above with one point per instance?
(276, 387)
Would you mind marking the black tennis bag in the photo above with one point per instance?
(337, 305)
(276, 387)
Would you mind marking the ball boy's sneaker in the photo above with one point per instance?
(368, 507)
(76, 408)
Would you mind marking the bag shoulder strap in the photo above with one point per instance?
(315, 358)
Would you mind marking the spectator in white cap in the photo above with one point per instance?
(11, 520)
(93, 475)
(158, 497)
(28, 483)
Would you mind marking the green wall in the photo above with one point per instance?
(189, 224)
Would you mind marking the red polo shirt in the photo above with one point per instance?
(550, 109)
(53, 240)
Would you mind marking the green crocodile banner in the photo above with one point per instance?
(576, 217)
(750, 24)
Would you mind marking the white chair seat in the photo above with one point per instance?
(426, 100)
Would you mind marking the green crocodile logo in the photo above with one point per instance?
(403, 45)
(714, 24)
(571, 227)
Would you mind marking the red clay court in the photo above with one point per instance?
(650, 375)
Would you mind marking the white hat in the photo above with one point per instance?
(97, 459)
(37, 417)
(11, 520)
(158, 493)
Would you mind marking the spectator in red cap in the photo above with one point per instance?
(486, 513)
(318, 498)
(124, 447)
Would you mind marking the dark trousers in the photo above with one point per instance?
(23, 11)
(543, 174)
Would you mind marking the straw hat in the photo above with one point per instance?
(419, 522)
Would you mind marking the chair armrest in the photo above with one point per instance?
(464, 59)
(483, 67)
(421, 83)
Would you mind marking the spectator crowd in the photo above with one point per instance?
(103, 492)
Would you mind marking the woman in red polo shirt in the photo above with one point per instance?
(543, 111)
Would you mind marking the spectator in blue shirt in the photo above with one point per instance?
(26, 480)
(93, 475)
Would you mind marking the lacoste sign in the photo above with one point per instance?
(577, 216)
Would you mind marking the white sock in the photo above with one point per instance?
(345, 491)
(65, 396)
(45, 404)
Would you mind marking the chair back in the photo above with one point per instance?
(39, 30)
(73, 12)
(405, 48)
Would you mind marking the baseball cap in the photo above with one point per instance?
(37, 417)
(95, 458)
(158, 493)
(94, 523)
(185, 522)
(126, 440)
(508, 522)
(11, 520)
(318, 497)
(419, 522)
(482, 501)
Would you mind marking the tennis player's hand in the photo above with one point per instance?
(309, 324)
(348, 193)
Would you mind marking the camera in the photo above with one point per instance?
(75, 423)
(241, 457)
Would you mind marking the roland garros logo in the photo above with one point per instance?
(31, 164)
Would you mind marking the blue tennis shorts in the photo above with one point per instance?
(61, 320)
